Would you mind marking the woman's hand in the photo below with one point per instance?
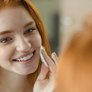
(44, 83)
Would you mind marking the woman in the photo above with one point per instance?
(22, 35)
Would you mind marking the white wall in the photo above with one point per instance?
(72, 13)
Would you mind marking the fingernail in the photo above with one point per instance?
(54, 54)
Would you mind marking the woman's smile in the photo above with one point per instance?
(25, 58)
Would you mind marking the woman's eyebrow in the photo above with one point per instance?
(29, 23)
(9, 31)
(5, 32)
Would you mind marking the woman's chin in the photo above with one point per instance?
(25, 71)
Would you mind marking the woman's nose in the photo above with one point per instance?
(23, 45)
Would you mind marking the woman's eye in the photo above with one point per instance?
(5, 40)
(28, 31)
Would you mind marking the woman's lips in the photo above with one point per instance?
(25, 58)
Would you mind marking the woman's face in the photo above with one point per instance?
(20, 41)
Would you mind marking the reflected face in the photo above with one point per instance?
(20, 41)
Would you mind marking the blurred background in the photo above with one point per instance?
(62, 19)
(49, 11)
(72, 16)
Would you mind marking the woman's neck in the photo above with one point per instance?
(14, 82)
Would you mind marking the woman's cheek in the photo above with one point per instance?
(7, 52)
(36, 41)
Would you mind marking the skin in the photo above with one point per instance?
(17, 40)
(19, 37)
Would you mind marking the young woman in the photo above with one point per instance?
(22, 35)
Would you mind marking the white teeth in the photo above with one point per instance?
(25, 58)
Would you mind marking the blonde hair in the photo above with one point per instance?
(33, 11)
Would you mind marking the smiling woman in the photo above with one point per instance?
(22, 35)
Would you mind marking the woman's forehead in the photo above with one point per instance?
(17, 12)
(17, 16)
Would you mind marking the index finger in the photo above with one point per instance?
(49, 61)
